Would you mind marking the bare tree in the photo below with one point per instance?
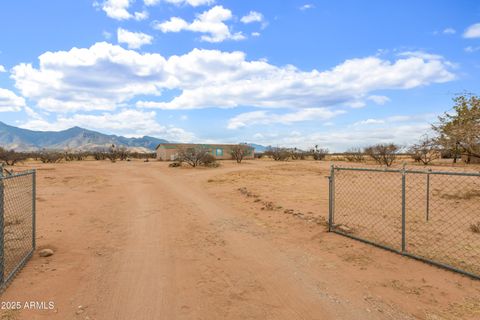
(10, 157)
(355, 155)
(194, 156)
(383, 153)
(50, 156)
(278, 154)
(113, 153)
(318, 153)
(238, 152)
(425, 151)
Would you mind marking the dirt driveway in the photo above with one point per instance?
(138, 240)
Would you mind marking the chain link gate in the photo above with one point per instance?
(433, 216)
(17, 222)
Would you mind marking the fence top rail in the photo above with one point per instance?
(408, 171)
(17, 174)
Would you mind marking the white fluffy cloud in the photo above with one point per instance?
(106, 76)
(381, 100)
(193, 3)
(214, 78)
(126, 122)
(98, 78)
(264, 117)
(359, 134)
(118, 10)
(2, 68)
(134, 40)
(472, 31)
(253, 16)
(211, 23)
(9, 101)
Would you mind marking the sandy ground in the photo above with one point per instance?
(138, 240)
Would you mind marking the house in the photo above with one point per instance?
(169, 151)
(470, 159)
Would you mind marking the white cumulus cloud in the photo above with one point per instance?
(212, 78)
(126, 122)
(211, 23)
(9, 101)
(472, 31)
(97, 78)
(264, 117)
(253, 16)
(193, 3)
(107, 76)
(134, 40)
(118, 10)
(2, 68)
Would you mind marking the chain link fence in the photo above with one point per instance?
(17, 222)
(429, 215)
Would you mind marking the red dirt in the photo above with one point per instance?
(138, 240)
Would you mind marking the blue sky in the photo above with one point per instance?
(290, 73)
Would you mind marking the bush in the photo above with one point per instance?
(425, 151)
(278, 154)
(196, 156)
(475, 227)
(50, 156)
(355, 155)
(175, 164)
(318, 153)
(384, 154)
(10, 158)
(238, 152)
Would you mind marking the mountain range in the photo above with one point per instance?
(75, 138)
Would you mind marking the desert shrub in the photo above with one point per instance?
(278, 154)
(209, 161)
(175, 164)
(112, 153)
(355, 155)
(123, 153)
(75, 155)
(50, 156)
(425, 151)
(100, 155)
(194, 156)
(475, 227)
(384, 154)
(240, 151)
(10, 157)
(318, 153)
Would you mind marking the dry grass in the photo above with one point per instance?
(475, 227)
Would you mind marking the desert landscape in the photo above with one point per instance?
(141, 240)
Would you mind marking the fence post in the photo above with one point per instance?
(403, 209)
(330, 198)
(34, 207)
(2, 216)
(427, 213)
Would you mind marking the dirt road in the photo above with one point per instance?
(143, 241)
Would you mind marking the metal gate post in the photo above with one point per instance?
(427, 213)
(34, 207)
(330, 198)
(2, 223)
(403, 210)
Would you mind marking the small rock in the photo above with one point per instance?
(344, 229)
(46, 253)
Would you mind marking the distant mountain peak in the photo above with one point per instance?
(75, 138)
